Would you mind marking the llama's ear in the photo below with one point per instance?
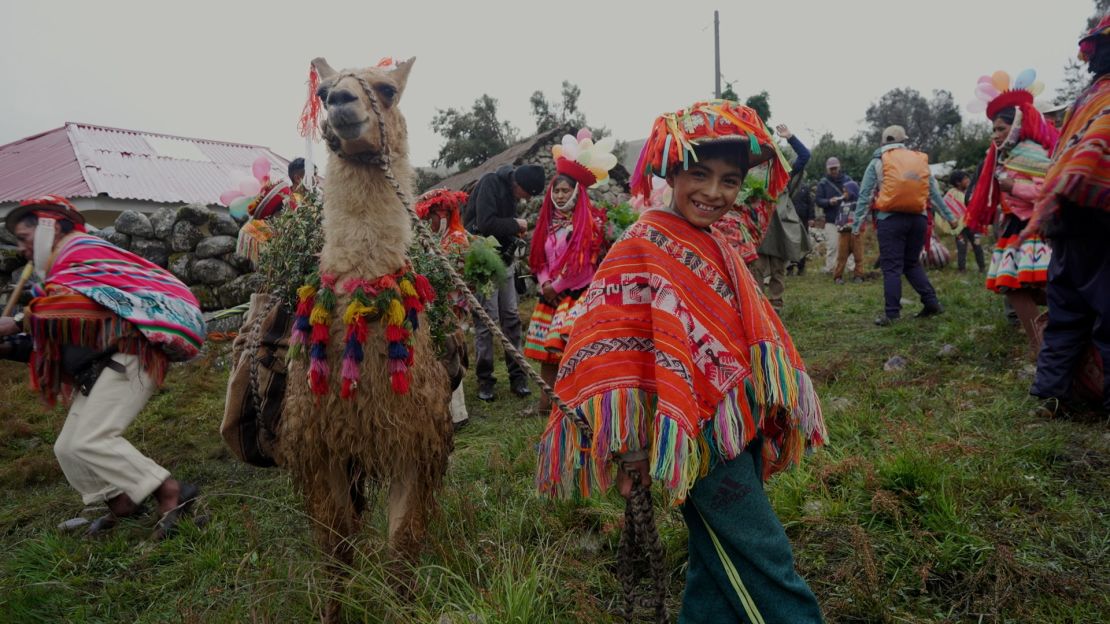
(400, 75)
(322, 68)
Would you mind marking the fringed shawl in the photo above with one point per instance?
(676, 349)
(1080, 171)
(61, 318)
(139, 291)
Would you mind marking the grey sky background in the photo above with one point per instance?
(235, 71)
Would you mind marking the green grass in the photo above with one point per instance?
(938, 500)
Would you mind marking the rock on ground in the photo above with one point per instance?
(895, 363)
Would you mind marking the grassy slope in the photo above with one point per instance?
(939, 500)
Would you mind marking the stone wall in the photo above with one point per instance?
(196, 244)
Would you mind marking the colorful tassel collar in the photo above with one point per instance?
(397, 299)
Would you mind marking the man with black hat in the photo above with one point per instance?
(491, 211)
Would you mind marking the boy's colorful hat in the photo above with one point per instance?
(675, 135)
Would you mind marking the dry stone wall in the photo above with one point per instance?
(196, 244)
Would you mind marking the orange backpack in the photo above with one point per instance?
(905, 186)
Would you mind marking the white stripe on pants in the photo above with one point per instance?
(95, 458)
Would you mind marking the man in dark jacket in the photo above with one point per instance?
(830, 196)
(491, 211)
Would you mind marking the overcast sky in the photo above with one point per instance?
(234, 70)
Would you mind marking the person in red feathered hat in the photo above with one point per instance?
(1013, 171)
(565, 251)
(441, 207)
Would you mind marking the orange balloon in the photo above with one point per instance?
(1000, 80)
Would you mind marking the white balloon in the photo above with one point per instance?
(570, 147)
(605, 161)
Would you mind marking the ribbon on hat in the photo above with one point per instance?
(674, 137)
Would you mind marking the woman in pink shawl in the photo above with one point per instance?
(566, 249)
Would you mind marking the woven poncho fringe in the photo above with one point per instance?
(767, 391)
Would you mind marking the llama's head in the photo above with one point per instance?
(352, 126)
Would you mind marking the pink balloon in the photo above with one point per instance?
(584, 133)
(229, 196)
(984, 80)
(261, 168)
(986, 92)
(250, 188)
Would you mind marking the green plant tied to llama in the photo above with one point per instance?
(292, 255)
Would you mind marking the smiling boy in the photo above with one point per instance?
(677, 354)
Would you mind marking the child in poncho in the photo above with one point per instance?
(678, 354)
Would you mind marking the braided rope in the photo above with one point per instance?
(640, 543)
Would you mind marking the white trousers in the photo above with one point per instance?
(95, 458)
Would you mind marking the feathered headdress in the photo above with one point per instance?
(588, 164)
(994, 94)
(675, 135)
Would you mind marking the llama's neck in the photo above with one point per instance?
(367, 232)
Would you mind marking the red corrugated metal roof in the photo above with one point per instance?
(82, 160)
(44, 163)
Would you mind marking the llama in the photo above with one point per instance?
(391, 430)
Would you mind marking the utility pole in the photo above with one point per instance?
(717, 54)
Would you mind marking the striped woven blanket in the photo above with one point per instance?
(137, 290)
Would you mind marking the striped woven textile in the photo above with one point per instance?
(137, 290)
(676, 349)
(1080, 171)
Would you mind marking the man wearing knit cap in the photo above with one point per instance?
(830, 197)
(491, 211)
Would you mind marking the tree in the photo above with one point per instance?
(549, 116)
(471, 138)
(729, 93)
(1075, 80)
(427, 179)
(968, 145)
(761, 103)
(854, 155)
(930, 124)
